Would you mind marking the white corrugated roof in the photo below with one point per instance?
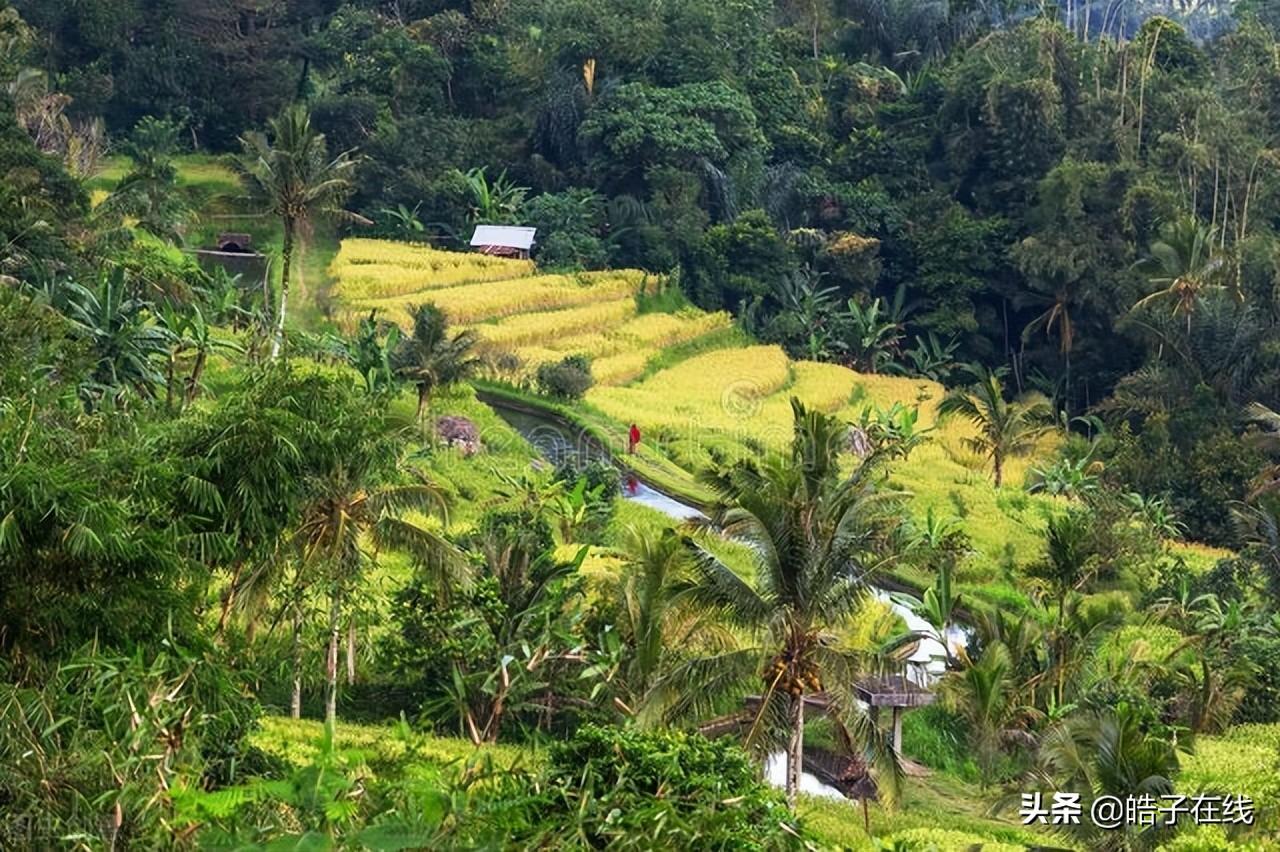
(506, 236)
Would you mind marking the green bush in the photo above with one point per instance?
(1262, 698)
(92, 750)
(936, 737)
(566, 379)
(626, 788)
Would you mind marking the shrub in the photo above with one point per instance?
(92, 750)
(569, 378)
(1262, 697)
(626, 788)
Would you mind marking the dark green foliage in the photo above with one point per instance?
(629, 789)
(92, 744)
(435, 635)
(38, 200)
(637, 127)
(1198, 467)
(599, 483)
(738, 263)
(1262, 698)
(569, 378)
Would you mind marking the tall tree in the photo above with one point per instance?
(149, 192)
(653, 617)
(291, 176)
(1004, 428)
(350, 509)
(1184, 264)
(812, 533)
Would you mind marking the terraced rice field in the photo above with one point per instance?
(539, 318)
(728, 401)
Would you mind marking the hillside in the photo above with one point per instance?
(694, 385)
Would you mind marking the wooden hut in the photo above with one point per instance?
(503, 240)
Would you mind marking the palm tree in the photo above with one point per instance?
(1067, 566)
(1004, 428)
(1266, 438)
(810, 531)
(1183, 264)
(291, 176)
(651, 614)
(349, 510)
(985, 695)
(1106, 754)
(149, 192)
(431, 358)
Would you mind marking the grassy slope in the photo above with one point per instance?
(939, 810)
(938, 477)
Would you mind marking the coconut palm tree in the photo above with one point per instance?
(351, 515)
(149, 192)
(985, 694)
(1004, 428)
(291, 176)
(812, 534)
(1184, 265)
(432, 358)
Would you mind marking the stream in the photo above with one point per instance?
(557, 442)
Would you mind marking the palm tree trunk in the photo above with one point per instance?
(193, 383)
(998, 463)
(168, 385)
(331, 663)
(286, 262)
(424, 396)
(295, 704)
(795, 751)
(351, 653)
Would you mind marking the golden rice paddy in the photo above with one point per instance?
(732, 399)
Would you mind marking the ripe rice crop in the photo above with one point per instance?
(374, 269)
(594, 345)
(548, 326)
(722, 390)
(824, 386)
(475, 303)
(669, 329)
(621, 368)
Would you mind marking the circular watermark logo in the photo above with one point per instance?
(742, 399)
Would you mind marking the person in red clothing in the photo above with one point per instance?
(633, 438)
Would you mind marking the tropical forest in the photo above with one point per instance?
(640, 424)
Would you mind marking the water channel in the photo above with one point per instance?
(558, 442)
